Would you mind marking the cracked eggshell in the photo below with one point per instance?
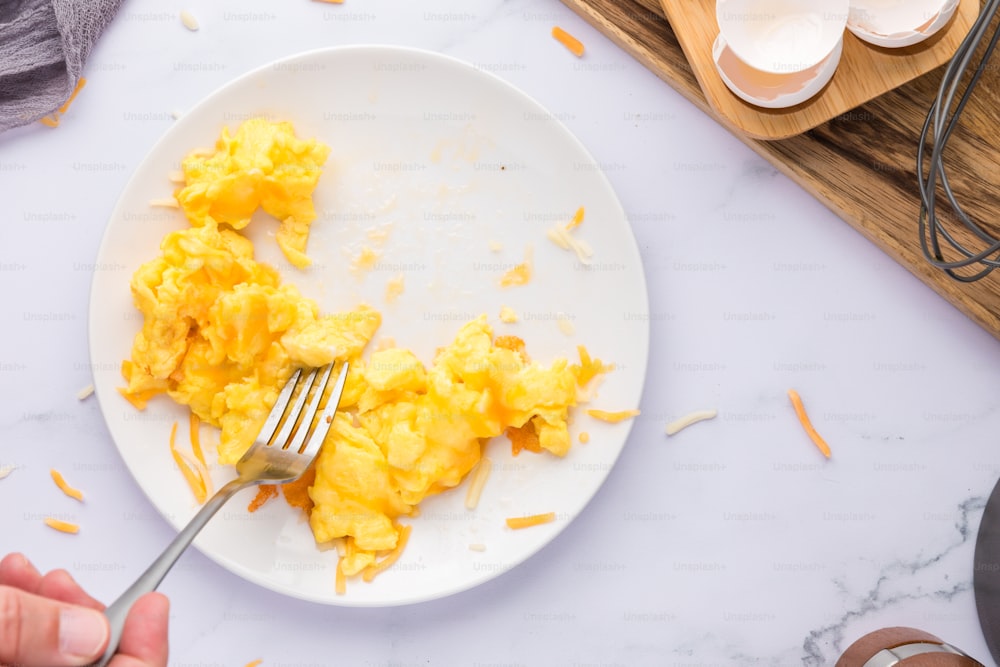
(894, 24)
(769, 90)
(782, 36)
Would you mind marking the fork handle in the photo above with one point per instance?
(118, 610)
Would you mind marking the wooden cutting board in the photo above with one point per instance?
(861, 164)
(864, 71)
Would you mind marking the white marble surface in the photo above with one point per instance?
(732, 543)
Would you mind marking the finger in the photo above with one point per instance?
(17, 571)
(60, 585)
(144, 638)
(38, 632)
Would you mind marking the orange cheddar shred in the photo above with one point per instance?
(577, 219)
(800, 412)
(52, 120)
(195, 432)
(574, 45)
(64, 487)
(384, 564)
(62, 526)
(192, 475)
(518, 522)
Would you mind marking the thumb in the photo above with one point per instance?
(39, 632)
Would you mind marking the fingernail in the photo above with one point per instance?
(82, 632)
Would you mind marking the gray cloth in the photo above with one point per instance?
(43, 47)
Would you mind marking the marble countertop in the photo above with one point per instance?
(731, 543)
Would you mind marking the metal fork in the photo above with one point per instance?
(277, 456)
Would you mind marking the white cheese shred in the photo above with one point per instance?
(189, 21)
(7, 469)
(85, 392)
(166, 202)
(565, 240)
(688, 419)
(478, 482)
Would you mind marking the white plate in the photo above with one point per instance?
(418, 141)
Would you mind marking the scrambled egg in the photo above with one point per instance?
(222, 334)
(263, 165)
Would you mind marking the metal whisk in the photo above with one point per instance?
(941, 122)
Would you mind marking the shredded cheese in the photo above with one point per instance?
(64, 487)
(80, 83)
(613, 417)
(194, 432)
(518, 522)
(62, 526)
(800, 411)
(380, 566)
(189, 21)
(165, 202)
(561, 236)
(479, 478)
(576, 219)
(688, 419)
(192, 475)
(254, 663)
(85, 392)
(52, 120)
(574, 45)
(496, 246)
(340, 583)
(7, 469)
(477, 547)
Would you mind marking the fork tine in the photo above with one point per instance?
(274, 418)
(295, 443)
(293, 413)
(326, 419)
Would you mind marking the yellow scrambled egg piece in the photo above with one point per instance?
(222, 334)
(262, 165)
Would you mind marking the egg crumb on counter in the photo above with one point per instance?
(221, 333)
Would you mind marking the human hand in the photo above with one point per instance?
(49, 621)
